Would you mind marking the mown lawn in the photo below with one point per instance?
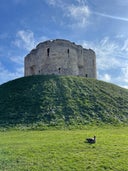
(64, 150)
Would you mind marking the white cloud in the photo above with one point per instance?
(79, 14)
(125, 73)
(107, 52)
(81, 1)
(105, 77)
(125, 46)
(17, 59)
(6, 75)
(25, 39)
(111, 56)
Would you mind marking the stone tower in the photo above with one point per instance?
(60, 57)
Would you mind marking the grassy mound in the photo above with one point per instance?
(59, 100)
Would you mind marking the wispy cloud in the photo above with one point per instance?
(110, 56)
(106, 77)
(53, 2)
(106, 51)
(78, 13)
(6, 75)
(125, 46)
(17, 59)
(125, 73)
(25, 39)
(111, 16)
(123, 3)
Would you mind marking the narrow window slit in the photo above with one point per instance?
(48, 51)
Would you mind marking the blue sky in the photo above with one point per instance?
(97, 24)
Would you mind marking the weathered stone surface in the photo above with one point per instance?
(61, 57)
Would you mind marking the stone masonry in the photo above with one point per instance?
(60, 57)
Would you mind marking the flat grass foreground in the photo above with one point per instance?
(64, 150)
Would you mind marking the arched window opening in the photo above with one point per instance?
(86, 75)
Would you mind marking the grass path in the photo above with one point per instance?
(64, 150)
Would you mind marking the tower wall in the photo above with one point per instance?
(61, 57)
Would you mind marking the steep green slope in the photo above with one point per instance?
(57, 100)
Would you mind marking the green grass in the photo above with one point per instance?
(64, 150)
(59, 100)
